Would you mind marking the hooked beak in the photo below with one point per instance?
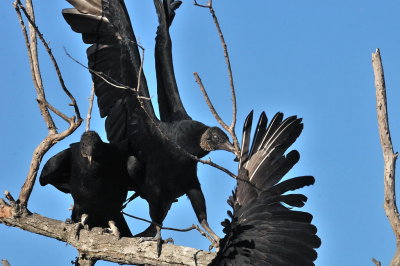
(227, 146)
(89, 157)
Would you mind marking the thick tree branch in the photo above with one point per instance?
(388, 155)
(96, 245)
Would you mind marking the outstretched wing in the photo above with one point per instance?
(57, 171)
(114, 60)
(264, 230)
(169, 101)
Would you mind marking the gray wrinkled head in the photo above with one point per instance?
(91, 145)
(215, 139)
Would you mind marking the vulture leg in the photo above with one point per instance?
(80, 225)
(158, 211)
(196, 197)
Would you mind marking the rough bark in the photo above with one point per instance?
(388, 155)
(96, 245)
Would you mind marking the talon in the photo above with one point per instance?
(113, 229)
(215, 245)
(158, 239)
(81, 225)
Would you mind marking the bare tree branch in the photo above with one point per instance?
(89, 114)
(209, 103)
(53, 136)
(5, 262)
(97, 245)
(376, 262)
(31, 45)
(231, 128)
(194, 226)
(388, 155)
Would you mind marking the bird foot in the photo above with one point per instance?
(113, 229)
(81, 225)
(159, 241)
(214, 244)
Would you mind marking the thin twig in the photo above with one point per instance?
(31, 46)
(209, 103)
(56, 111)
(171, 228)
(164, 228)
(36, 30)
(376, 262)
(89, 113)
(388, 153)
(231, 128)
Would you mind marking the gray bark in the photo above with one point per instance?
(388, 154)
(97, 245)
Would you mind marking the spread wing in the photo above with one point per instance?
(169, 101)
(264, 229)
(57, 171)
(115, 63)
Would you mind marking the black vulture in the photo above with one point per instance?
(165, 147)
(264, 229)
(96, 175)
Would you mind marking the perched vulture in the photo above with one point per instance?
(95, 174)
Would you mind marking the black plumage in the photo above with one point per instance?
(95, 173)
(161, 145)
(263, 228)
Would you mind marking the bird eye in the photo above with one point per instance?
(215, 136)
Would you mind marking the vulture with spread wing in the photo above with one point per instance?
(263, 229)
(165, 147)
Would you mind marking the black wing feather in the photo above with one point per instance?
(57, 171)
(262, 229)
(246, 139)
(169, 101)
(114, 59)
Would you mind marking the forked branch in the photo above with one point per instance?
(45, 108)
(230, 129)
(388, 154)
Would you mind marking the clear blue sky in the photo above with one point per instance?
(310, 58)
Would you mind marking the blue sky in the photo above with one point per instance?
(310, 58)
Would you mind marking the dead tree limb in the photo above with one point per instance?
(388, 154)
(231, 128)
(97, 245)
(74, 121)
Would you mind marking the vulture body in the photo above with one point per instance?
(165, 147)
(95, 174)
(263, 228)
